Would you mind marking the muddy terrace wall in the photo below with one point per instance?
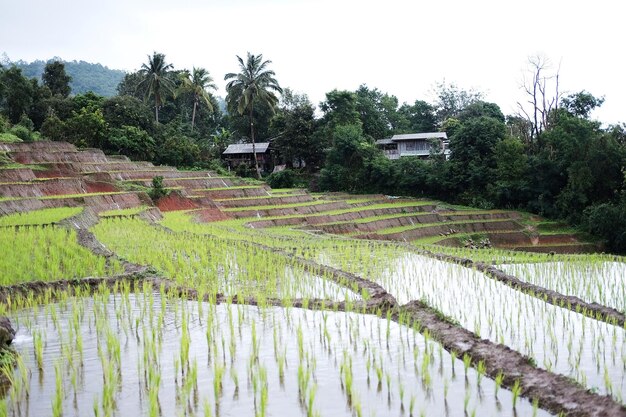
(560, 249)
(345, 196)
(425, 218)
(189, 183)
(288, 211)
(16, 174)
(524, 239)
(210, 215)
(445, 228)
(56, 170)
(175, 201)
(55, 186)
(48, 146)
(235, 192)
(124, 175)
(269, 201)
(120, 166)
(43, 156)
(329, 218)
(97, 202)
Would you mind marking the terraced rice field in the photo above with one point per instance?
(230, 298)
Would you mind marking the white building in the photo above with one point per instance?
(414, 144)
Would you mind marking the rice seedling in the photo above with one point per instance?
(146, 382)
(47, 253)
(593, 279)
(39, 217)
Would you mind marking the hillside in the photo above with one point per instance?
(271, 284)
(56, 174)
(85, 76)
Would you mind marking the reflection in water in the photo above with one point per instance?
(149, 355)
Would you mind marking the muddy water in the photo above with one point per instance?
(243, 343)
(600, 282)
(560, 340)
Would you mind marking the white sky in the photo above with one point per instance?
(402, 47)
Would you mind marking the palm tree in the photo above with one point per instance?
(253, 84)
(197, 83)
(157, 80)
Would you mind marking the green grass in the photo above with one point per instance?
(7, 137)
(40, 217)
(37, 253)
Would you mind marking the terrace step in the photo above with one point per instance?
(177, 200)
(108, 166)
(234, 192)
(443, 228)
(98, 202)
(304, 209)
(48, 146)
(125, 175)
(348, 216)
(193, 183)
(43, 156)
(425, 218)
(207, 215)
(561, 249)
(54, 186)
(264, 201)
(16, 174)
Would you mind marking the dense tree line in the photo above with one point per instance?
(562, 164)
(85, 76)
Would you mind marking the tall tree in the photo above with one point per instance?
(197, 83)
(56, 79)
(294, 128)
(253, 84)
(157, 80)
(17, 94)
(419, 117)
(451, 100)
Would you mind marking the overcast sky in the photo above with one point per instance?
(401, 47)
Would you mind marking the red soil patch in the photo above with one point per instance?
(99, 187)
(174, 201)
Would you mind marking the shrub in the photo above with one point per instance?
(157, 191)
(283, 179)
(4, 124)
(22, 132)
(607, 221)
(9, 138)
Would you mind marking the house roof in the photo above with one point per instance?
(415, 136)
(243, 148)
(384, 142)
